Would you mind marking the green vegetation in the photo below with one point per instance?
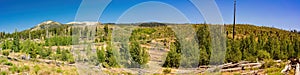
(6, 52)
(110, 56)
(252, 43)
(36, 69)
(58, 41)
(101, 55)
(6, 45)
(174, 56)
(167, 71)
(204, 42)
(268, 63)
(138, 54)
(16, 43)
(3, 73)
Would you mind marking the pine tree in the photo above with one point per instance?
(174, 56)
(233, 53)
(283, 49)
(101, 55)
(110, 56)
(106, 32)
(290, 48)
(275, 49)
(138, 54)
(16, 42)
(297, 47)
(58, 51)
(262, 55)
(5, 45)
(33, 50)
(64, 55)
(204, 44)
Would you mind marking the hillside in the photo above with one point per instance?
(45, 25)
(154, 46)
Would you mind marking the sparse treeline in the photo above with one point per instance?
(35, 49)
(63, 30)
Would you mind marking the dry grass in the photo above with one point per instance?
(37, 68)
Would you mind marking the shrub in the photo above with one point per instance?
(26, 68)
(110, 56)
(14, 69)
(262, 54)
(166, 71)
(275, 73)
(268, 63)
(101, 55)
(3, 60)
(272, 70)
(237, 74)
(36, 69)
(5, 52)
(8, 63)
(59, 70)
(3, 73)
(71, 60)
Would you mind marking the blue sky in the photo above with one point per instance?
(24, 14)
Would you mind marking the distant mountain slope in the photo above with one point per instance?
(84, 23)
(53, 24)
(46, 24)
(242, 30)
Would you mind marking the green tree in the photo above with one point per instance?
(46, 52)
(297, 47)
(110, 56)
(101, 55)
(174, 56)
(32, 51)
(204, 42)
(290, 48)
(233, 53)
(248, 46)
(65, 55)
(274, 48)
(58, 51)
(7, 45)
(283, 49)
(262, 55)
(16, 42)
(138, 54)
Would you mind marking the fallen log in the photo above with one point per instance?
(297, 71)
(286, 68)
(231, 69)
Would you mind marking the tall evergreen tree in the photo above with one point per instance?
(297, 47)
(101, 55)
(16, 42)
(110, 56)
(233, 53)
(138, 54)
(204, 44)
(174, 56)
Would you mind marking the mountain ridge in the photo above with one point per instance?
(55, 24)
